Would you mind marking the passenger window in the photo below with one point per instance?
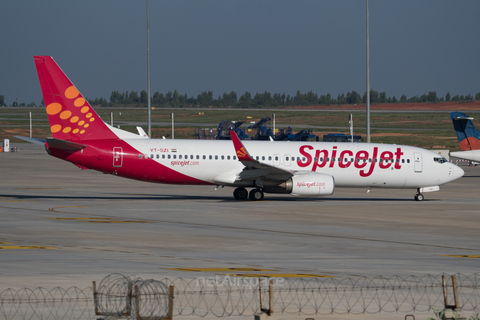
(269, 158)
(151, 156)
(234, 157)
(191, 157)
(263, 157)
(286, 158)
(198, 157)
(315, 159)
(276, 158)
(174, 156)
(216, 157)
(228, 157)
(158, 156)
(257, 158)
(403, 160)
(210, 157)
(163, 156)
(179, 156)
(303, 159)
(168, 156)
(223, 158)
(140, 156)
(408, 160)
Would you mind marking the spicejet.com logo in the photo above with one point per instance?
(310, 184)
(325, 159)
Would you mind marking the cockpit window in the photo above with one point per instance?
(440, 159)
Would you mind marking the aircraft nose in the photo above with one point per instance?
(457, 172)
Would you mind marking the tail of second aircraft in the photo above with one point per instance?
(70, 115)
(468, 136)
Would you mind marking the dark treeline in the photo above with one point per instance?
(266, 99)
(259, 100)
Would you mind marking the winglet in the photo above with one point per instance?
(242, 153)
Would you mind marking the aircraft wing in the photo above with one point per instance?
(40, 142)
(254, 169)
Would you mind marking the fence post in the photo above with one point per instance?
(171, 296)
(445, 297)
(95, 300)
(129, 298)
(261, 293)
(270, 301)
(455, 291)
(137, 303)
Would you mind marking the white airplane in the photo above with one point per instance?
(298, 168)
(468, 137)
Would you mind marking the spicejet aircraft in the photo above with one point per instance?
(297, 168)
(468, 137)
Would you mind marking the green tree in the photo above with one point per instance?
(403, 98)
(2, 100)
(432, 96)
(477, 96)
(143, 96)
(447, 96)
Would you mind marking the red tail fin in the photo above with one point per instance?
(70, 116)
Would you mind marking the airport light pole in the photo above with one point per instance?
(368, 79)
(149, 103)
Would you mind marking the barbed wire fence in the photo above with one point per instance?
(223, 296)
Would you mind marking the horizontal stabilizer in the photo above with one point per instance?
(64, 145)
(142, 133)
(40, 142)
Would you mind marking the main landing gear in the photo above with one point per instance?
(242, 194)
(419, 196)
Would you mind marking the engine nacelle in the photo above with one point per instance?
(310, 184)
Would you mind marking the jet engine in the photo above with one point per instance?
(310, 184)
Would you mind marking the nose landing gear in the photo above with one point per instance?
(419, 196)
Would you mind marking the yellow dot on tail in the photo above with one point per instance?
(55, 128)
(79, 102)
(92, 119)
(54, 108)
(71, 92)
(89, 115)
(85, 109)
(76, 130)
(67, 130)
(82, 132)
(81, 123)
(74, 119)
(65, 115)
(86, 126)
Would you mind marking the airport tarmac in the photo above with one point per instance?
(61, 226)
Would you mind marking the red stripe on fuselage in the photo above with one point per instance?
(99, 156)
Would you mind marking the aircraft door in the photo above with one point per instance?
(117, 157)
(417, 162)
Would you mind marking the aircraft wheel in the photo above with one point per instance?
(419, 197)
(240, 193)
(256, 194)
